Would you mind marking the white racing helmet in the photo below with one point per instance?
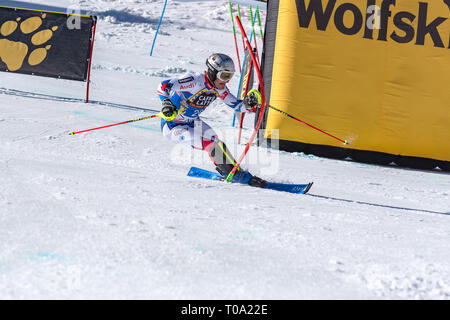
(220, 66)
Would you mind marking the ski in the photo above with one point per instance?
(284, 187)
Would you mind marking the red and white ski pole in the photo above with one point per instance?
(116, 124)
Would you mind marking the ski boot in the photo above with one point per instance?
(244, 177)
(257, 182)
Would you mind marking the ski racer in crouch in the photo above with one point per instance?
(184, 99)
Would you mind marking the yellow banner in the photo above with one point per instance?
(373, 72)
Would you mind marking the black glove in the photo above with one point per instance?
(169, 110)
(252, 99)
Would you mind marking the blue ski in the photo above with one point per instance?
(285, 187)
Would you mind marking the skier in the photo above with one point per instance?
(184, 99)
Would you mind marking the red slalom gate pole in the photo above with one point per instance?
(235, 39)
(241, 123)
(90, 60)
(237, 53)
(240, 127)
(115, 124)
(263, 103)
(239, 14)
(309, 125)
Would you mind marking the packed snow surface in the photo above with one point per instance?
(112, 214)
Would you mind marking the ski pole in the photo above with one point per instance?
(235, 40)
(116, 124)
(311, 126)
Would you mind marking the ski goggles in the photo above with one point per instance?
(225, 76)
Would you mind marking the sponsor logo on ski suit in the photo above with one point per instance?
(192, 94)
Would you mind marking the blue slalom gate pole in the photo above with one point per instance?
(159, 25)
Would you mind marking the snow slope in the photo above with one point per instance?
(112, 214)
